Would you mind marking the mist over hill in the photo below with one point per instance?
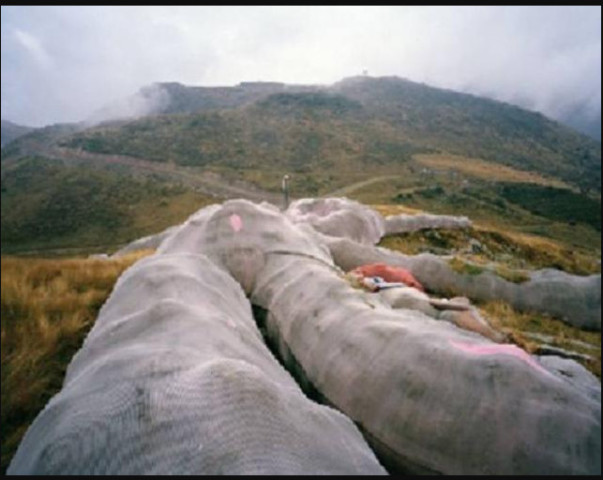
(583, 121)
(11, 131)
(174, 97)
(375, 118)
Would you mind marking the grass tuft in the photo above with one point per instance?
(510, 250)
(462, 267)
(518, 326)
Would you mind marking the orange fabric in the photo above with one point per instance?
(389, 274)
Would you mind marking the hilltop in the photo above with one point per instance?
(10, 131)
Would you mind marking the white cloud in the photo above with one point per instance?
(34, 48)
(548, 58)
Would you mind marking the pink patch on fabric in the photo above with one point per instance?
(235, 222)
(505, 349)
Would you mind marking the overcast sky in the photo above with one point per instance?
(60, 64)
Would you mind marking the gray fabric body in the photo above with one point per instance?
(575, 373)
(174, 378)
(409, 298)
(430, 397)
(339, 217)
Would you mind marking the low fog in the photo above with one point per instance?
(68, 64)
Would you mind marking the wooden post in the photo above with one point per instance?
(285, 187)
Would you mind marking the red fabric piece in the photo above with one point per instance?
(389, 274)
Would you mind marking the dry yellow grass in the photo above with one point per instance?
(47, 308)
(504, 318)
(519, 237)
(539, 252)
(476, 167)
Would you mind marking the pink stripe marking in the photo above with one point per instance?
(505, 349)
(235, 222)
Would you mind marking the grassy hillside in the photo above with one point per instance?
(477, 127)
(565, 216)
(33, 141)
(47, 308)
(474, 167)
(554, 203)
(11, 131)
(46, 204)
(301, 133)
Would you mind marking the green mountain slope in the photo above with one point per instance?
(380, 140)
(49, 205)
(360, 121)
(478, 127)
